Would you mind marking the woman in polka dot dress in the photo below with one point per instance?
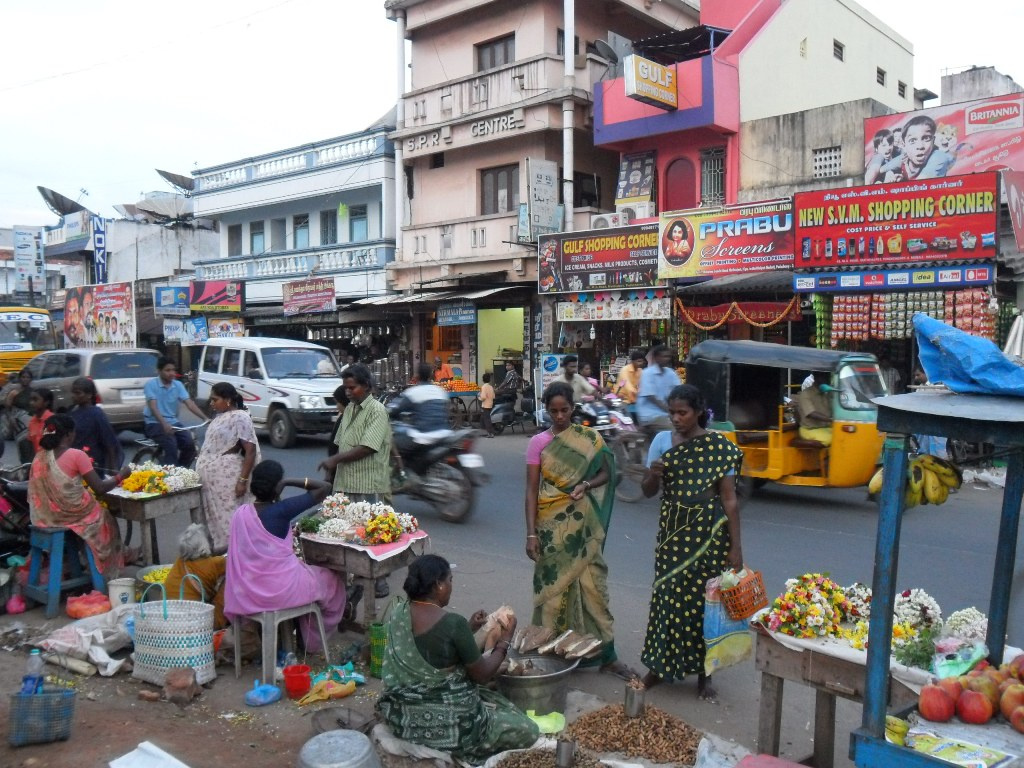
(698, 536)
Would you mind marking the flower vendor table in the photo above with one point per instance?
(365, 563)
(145, 508)
(972, 418)
(821, 666)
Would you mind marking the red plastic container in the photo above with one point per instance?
(297, 681)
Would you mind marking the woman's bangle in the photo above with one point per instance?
(305, 483)
(587, 484)
(243, 479)
(499, 645)
(531, 535)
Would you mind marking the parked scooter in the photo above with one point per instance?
(504, 413)
(438, 467)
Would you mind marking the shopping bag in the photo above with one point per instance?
(173, 633)
(727, 641)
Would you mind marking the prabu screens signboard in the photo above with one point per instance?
(598, 259)
(967, 137)
(715, 242)
(946, 219)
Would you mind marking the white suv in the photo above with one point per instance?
(288, 386)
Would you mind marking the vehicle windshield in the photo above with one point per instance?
(299, 363)
(859, 383)
(26, 330)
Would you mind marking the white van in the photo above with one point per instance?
(288, 386)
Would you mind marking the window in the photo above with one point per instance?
(251, 366)
(277, 234)
(879, 75)
(231, 358)
(586, 189)
(124, 365)
(328, 227)
(496, 53)
(257, 243)
(560, 44)
(358, 230)
(235, 240)
(901, 89)
(828, 162)
(437, 160)
(300, 232)
(211, 360)
(839, 50)
(499, 190)
(712, 176)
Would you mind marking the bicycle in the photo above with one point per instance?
(630, 451)
(150, 449)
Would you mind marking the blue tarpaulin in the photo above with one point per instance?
(965, 363)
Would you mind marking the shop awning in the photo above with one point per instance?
(431, 296)
(777, 281)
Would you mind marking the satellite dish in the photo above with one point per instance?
(606, 52)
(174, 207)
(184, 183)
(59, 204)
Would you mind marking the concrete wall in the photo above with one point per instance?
(776, 153)
(137, 251)
(789, 65)
(977, 83)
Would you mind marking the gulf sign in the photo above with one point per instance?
(715, 242)
(650, 82)
(949, 219)
(968, 137)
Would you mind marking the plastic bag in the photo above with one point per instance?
(728, 641)
(91, 604)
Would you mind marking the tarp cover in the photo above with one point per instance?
(965, 363)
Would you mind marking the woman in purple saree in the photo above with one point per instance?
(263, 572)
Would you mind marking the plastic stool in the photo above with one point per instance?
(52, 540)
(269, 622)
(338, 749)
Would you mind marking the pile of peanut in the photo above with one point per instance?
(545, 758)
(656, 736)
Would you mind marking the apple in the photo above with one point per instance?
(935, 704)
(952, 687)
(1017, 719)
(987, 686)
(1012, 698)
(1017, 667)
(974, 707)
(1006, 684)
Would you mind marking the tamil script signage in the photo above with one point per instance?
(170, 300)
(933, 220)
(714, 242)
(968, 137)
(216, 296)
(922, 279)
(456, 313)
(600, 259)
(309, 296)
(650, 82)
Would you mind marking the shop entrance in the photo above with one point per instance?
(499, 337)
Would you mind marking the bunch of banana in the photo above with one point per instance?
(896, 730)
(929, 480)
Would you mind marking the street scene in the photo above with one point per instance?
(409, 383)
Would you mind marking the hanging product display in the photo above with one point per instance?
(972, 311)
(822, 304)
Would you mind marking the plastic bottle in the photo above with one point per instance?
(32, 682)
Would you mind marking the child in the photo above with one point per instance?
(920, 158)
(486, 404)
(883, 143)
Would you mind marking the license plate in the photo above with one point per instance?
(471, 460)
(132, 394)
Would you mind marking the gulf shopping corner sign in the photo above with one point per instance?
(650, 82)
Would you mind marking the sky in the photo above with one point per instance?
(95, 95)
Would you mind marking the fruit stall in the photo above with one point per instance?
(975, 418)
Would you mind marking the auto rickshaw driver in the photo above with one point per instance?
(814, 410)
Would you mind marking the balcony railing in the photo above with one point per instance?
(324, 260)
(309, 158)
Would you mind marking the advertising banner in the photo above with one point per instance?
(187, 331)
(308, 296)
(758, 311)
(171, 300)
(100, 316)
(626, 257)
(636, 179)
(714, 242)
(934, 220)
(99, 248)
(216, 296)
(28, 260)
(615, 309)
(544, 213)
(1014, 182)
(225, 327)
(968, 137)
(650, 82)
(920, 279)
(456, 313)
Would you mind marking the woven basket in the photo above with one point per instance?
(379, 641)
(39, 718)
(746, 598)
(173, 633)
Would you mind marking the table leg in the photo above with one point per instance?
(369, 603)
(824, 729)
(148, 531)
(769, 721)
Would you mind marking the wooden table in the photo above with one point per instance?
(828, 675)
(349, 560)
(145, 510)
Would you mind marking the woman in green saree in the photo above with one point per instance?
(570, 488)
(433, 674)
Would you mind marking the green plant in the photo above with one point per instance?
(918, 652)
(309, 524)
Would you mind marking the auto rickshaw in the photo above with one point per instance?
(748, 386)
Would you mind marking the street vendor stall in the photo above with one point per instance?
(975, 418)
(146, 508)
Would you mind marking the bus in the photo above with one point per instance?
(24, 333)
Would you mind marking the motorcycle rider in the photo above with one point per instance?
(580, 386)
(656, 381)
(424, 406)
(628, 384)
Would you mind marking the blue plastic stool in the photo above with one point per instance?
(51, 540)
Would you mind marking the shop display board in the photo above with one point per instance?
(598, 259)
(896, 279)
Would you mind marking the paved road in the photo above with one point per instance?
(947, 551)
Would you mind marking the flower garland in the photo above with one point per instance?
(812, 606)
(917, 608)
(358, 521)
(159, 478)
(969, 624)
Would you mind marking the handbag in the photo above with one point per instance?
(173, 633)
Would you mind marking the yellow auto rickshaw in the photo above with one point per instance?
(749, 387)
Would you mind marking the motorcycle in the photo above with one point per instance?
(439, 468)
(504, 413)
(14, 513)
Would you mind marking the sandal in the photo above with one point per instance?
(620, 670)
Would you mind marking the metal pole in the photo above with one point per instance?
(399, 125)
(568, 112)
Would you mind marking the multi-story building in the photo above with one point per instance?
(325, 209)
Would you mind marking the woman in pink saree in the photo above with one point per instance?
(264, 573)
(63, 489)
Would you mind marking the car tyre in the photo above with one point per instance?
(282, 429)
